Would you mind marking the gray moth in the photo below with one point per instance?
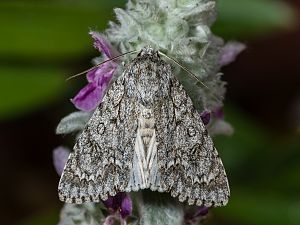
(145, 134)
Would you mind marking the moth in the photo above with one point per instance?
(145, 134)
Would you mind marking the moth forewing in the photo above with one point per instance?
(150, 136)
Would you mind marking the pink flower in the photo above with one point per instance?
(230, 51)
(121, 203)
(205, 117)
(60, 158)
(92, 94)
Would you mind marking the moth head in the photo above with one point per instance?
(148, 51)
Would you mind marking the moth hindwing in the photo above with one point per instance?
(145, 134)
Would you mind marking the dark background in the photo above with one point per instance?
(43, 42)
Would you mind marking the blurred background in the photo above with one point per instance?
(44, 41)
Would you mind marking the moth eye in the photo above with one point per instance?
(101, 128)
(191, 131)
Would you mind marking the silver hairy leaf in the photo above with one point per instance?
(76, 121)
(84, 214)
(145, 134)
(219, 126)
(158, 211)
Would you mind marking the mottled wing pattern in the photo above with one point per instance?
(145, 134)
(188, 163)
(102, 159)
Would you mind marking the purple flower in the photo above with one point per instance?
(92, 94)
(102, 45)
(218, 113)
(201, 211)
(60, 157)
(205, 117)
(230, 51)
(120, 203)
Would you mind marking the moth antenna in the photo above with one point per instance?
(184, 68)
(188, 71)
(96, 66)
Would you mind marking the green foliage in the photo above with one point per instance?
(38, 39)
(264, 174)
(251, 18)
(24, 89)
(256, 207)
(43, 218)
(50, 30)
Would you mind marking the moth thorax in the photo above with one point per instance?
(146, 113)
(148, 88)
(146, 126)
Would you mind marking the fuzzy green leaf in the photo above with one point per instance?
(82, 214)
(157, 209)
(76, 121)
